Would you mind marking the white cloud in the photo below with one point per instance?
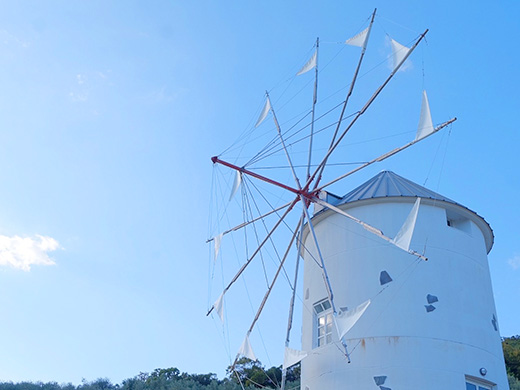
(23, 252)
(81, 78)
(78, 97)
(162, 95)
(514, 262)
(7, 39)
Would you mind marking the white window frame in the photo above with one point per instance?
(479, 384)
(323, 323)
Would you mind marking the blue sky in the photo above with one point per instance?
(110, 112)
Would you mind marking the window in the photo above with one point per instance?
(473, 386)
(457, 221)
(478, 384)
(323, 312)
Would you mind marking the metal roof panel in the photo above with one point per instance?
(387, 184)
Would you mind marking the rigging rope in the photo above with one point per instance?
(246, 189)
(433, 160)
(292, 231)
(262, 155)
(444, 158)
(416, 262)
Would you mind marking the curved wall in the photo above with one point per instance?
(398, 337)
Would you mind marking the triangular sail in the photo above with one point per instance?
(359, 40)
(265, 111)
(219, 307)
(236, 184)
(399, 52)
(246, 350)
(311, 64)
(425, 127)
(346, 320)
(404, 236)
(217, 240)
(292, 356)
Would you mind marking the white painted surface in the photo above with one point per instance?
(396, 337)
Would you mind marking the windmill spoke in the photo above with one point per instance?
(351, 89)
(244, 224)
(325, 274)
(284, 147)
(293, 295)
(366, 226)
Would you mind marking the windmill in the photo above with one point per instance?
(388, 268)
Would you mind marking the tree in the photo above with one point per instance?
(514, 384)
(246, 372)
(203, 379)
(511, 347)
(98, 384)
(168, 374)
(294, 373)
(252, 373)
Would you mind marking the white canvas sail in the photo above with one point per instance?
(425, 127)
(236, 184)
(292, 356)
(246, 350)
(264, 112)
(404, 236)
(399, 52)
(217, 240)
(219, 307)
(311, 64)
(360, 39)
(346, 320)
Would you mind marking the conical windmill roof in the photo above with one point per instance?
(387, 184)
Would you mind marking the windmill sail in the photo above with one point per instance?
(359, 40)
(404, 236)
(217, 240)
(246, 350)
(425, 127)
(292, 356)
(264, 112)
(311, 64)
(346, 320)
(236, 185)
(399, 52)
(219, 306)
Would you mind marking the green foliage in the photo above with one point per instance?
(511, 347)
(159, 379)
(252, 374)
(514, 384)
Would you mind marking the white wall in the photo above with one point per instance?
(396, 337)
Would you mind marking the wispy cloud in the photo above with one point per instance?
(78, 96)
(9, 39)
(24, 252)
(81, 78)
(514, 262)
(87, 83)
(162, 95)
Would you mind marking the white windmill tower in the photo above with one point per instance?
(420, 324)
